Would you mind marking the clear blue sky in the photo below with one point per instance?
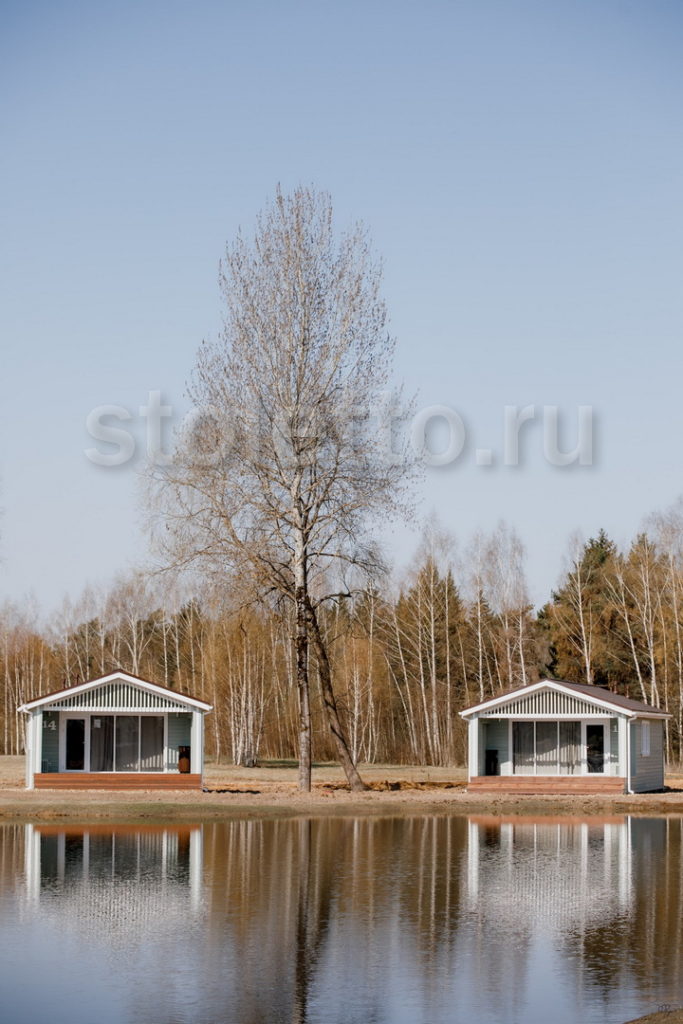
(519, 166)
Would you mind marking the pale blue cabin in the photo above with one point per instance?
(555, 736)
(115, 732)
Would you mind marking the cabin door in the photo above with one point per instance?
(595, 748)
(75, 742)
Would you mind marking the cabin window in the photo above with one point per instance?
(546, 748)
(570, 747)
(151, 743)
(102, 743)
(523, 748)
(645, 739)
(127, 743)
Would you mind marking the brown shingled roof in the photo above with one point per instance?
(602, 693)
(582, 690)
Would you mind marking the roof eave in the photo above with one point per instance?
(558, 686)
(142, 684)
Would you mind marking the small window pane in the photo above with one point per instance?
(546, 748)
(127, 735)
(570, 748)
(523, 748)
(152, 743)
(102, 743)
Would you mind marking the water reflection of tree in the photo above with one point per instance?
(305, 901)
(12, 847)
(647, 943)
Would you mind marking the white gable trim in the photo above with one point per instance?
(93, 684)
(500, 703)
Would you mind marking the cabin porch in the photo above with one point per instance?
(117, 780)
(579, 785)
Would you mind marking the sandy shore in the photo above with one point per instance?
(272, 792)
(661, 1017)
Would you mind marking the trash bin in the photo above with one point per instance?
(492, 766)
(184, 760)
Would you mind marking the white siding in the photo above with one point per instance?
(547, 704)
(647, 772)
(119, 696)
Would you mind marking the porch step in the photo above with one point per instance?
(116, 780)
(583, 785)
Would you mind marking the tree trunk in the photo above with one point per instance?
(304, 695)
(353, 778)
(301, 646)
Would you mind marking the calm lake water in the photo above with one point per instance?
(336, 921)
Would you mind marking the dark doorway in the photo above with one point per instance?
(595, 748)
(75, 744)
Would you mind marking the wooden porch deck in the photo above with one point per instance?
(117, 780)
(581, 785)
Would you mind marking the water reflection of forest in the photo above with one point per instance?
(369, 913)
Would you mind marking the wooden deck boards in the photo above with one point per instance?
(583, 785)
(117, 780)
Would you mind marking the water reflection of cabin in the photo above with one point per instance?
(555, 736)
(560, 871)
(116, 875)
(115, 732)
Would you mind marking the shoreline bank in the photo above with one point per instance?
(270, 792)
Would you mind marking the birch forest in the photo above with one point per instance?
(407, 655)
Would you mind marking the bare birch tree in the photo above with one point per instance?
(506, 593)
(276, 484)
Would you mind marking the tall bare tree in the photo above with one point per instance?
(506, 593)
(278, 481)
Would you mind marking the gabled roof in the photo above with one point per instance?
(192, 703)
(595, 695)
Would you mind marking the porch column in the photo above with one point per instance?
(29, 759)
(624, 766)
(34, 746)
(197, 743)
(473, 747)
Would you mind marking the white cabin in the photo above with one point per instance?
(557, 736)
(115, 732)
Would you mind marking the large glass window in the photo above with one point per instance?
(548, 748)
(126, 743)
